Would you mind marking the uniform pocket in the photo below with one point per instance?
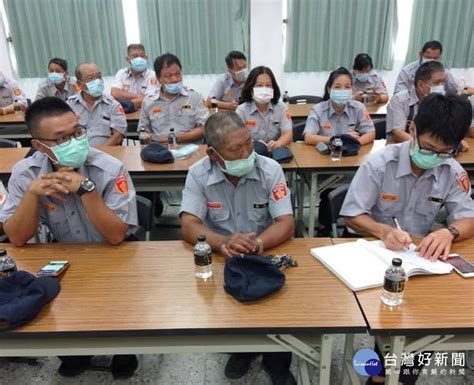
(218, 215)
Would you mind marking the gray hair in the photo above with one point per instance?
(79, 68)
(219, 125)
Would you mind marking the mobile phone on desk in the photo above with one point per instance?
(462, 266)
(53, 269)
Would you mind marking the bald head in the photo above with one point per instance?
(87, 71)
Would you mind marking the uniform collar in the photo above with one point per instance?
(253, 107)
(184, 91)
(128, 71)
(103, 99)
(332, 111)
(404, 163)
(231, 81)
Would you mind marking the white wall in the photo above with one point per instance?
(5, 65)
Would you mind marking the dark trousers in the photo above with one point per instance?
(275, 362)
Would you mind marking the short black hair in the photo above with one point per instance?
(426, 70)
(43, 108)
(362, 61)
(247, 89)
(60, 62)
(135, 46)
(432, 44)
(234, 55)
(165, 60)
(446, 117)
(332, 77)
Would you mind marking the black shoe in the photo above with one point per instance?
(124, 366)
(280, 378)
(72, 366)
(238, 365)
(158, 205)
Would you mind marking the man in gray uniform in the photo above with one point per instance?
(80, 193)
(173, 106)
(431, 50)
(227, 88)
(58, 83)
(100, 114)
(411, 181)
(11, 93)
(135, 80)
(241, 202)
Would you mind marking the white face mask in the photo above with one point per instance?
(262, 94)
(241, 75)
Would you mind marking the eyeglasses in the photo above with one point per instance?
(441, 155)
(62, 141)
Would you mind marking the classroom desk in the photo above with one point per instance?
(142, 297)
(437, 313)
(302, 110)
(12, 126)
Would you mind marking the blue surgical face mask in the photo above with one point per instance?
(424, 161)
(56, 77)
(239, 167)
(73, 154)
(95, 88)
(425, 60)
(174, 88)
(340, 97)
(138, 64)
(439, 89)
(362, 77)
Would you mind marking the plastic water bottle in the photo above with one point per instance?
(143, 137)
(172, 140)
(336, 149)
(394, 284)
(214, 105)
(286, 98)
(7, 264)
(17, 106)
(203, 258)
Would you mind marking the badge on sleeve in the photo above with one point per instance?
(288, 115)
(121, 184)
(16, 91)
(121, 110)
(279, 191)
(326, 126)
(463, 180)
(2, 197)
(367, 116)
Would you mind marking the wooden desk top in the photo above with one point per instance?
(9, 157)
(12, 118)
(467, 158)
(150, 288)
(432, 304)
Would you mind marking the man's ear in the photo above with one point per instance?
(211, 153)
(41, 147)
(37, 145)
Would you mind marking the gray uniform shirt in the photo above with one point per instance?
(398, 109)
(184, 112)
(375, 82)
(10, 91)
(142, 84)
(225, 89)
(323, 119)
(385, 187)
(67, 219)
(46, 88)
(406, 79)
(106, 114)
(267, 126)
(259, 197)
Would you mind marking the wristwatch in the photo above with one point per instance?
(454, 231)
(87, 185)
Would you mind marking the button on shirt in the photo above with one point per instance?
(406, 79)
(398, 109)
(11, 91)
(225, 89)
(106, 114)
(385, 187)
(267, 126)
(259, 197)
(67, 219)
(184, 112)
(142, 84)
(46, 88)
(375, 82)
(323, 119)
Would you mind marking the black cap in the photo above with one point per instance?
(251, 277)
(261, 148)
(22, 296)
(127, 106)
(282, 155)
(156, 153)
(350, 145)
(396, 262)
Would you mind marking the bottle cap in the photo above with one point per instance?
(201, 238)
(3, 252)
(396, 262)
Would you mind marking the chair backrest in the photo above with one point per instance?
(298, 128)
(305, 99)
(7, 143)
(336, 199)
(145, 214)
(380, 128)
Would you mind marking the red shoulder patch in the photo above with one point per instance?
(121, 184)
(367, 116)
(288, 115)
(121, 110)
(464, 182)
(279, 191)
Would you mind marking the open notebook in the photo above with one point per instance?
(362, 264)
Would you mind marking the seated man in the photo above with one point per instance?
(173, 105)
(240, 201)
(101, 115)
(11, 96)
(135, 80)
(58, 83)
(227, 89)
(412, 181)
(80, 193)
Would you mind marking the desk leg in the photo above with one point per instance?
(397, 345)
(300, 199)
(347, 369)
(312, 204)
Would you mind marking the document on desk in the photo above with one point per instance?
(362, 264)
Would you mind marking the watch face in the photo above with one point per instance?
(88, 185)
